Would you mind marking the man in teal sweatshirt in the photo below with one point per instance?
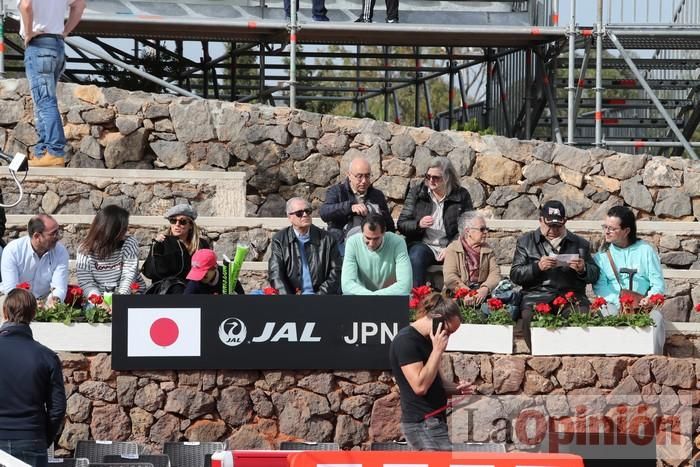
(376, 262)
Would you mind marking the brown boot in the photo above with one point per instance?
(47, 160)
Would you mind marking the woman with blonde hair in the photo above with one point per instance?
(172, 250)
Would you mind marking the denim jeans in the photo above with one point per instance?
(30, 451)
(422, 258)
(44, 61)
(318, 8)
(428, 435)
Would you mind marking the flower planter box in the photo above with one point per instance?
(596, 340)
(482, 338)
(75, 337)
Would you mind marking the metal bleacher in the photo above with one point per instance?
(506, 63)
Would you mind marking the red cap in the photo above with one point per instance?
(202, 262)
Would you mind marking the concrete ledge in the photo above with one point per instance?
(273, 223)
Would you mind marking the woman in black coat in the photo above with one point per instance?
(430, 214)
(171, 253)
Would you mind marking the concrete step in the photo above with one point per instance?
(144, 192)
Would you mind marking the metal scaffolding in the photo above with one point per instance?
(625, 77)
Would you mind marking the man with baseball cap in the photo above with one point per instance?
(205, 276)
(551, 261)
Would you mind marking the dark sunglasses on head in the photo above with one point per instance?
(301, 212)
(433, 178)
(174, 221)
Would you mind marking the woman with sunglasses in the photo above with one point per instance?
(469, 261)
(429, 216)
(626, 252)
(108, 258)
(172, 250)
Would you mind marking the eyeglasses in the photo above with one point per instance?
(362, 176)
(554, 225)
(607, 228)
(433, 178)
(481, 229)
(174, 221)
(300, 213)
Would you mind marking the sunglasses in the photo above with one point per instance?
(433, 178)
(301, 212)
(174, 221)
(481, 229)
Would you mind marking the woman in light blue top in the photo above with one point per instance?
(628, 252)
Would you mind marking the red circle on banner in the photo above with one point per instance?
(164, 332)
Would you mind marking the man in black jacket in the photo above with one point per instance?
(305, 259)
(32, 396)
(543, 273)
(349, 202)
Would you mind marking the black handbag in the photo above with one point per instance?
(166, 259)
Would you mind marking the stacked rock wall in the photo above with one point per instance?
(287, 153)
(259, 409)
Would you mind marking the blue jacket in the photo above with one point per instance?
(648, 280)
(32, 396)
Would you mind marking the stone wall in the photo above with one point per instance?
(259, 409)
(288, 153)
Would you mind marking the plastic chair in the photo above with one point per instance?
(158, 460)
(190, 454)
(95, 451)
(308, 446)
(479, 447)
(390, 446)
(68, 462)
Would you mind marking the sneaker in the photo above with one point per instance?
(363, 20)
(394, 20)
(48, 160)
(321, 18)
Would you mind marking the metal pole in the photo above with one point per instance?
(572, 65)
(416, 111)
(293, 56)
(528, 93)
(662, 110)
(599, 75)
(386, 83)
(79, 43)
(451, 92)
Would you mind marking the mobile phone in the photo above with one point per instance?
(437, 322)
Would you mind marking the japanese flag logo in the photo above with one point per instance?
(164, 332)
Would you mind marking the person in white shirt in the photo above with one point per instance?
(43, 30)
(38, 259)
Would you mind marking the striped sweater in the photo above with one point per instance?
(114, 274)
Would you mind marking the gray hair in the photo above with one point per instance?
(291, 201)
(449, 174)
(466, 219)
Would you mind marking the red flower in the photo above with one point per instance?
(421, 292)
(461, 292)
(135, 287)
(559, 302)
(598, 303)
(413, 303)
(543, 308)
(95, 299)
(570, 295)
(627, 299)
(494, 304)
(657, 299)
(23, 285)
(270, 291)
(697, 308)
